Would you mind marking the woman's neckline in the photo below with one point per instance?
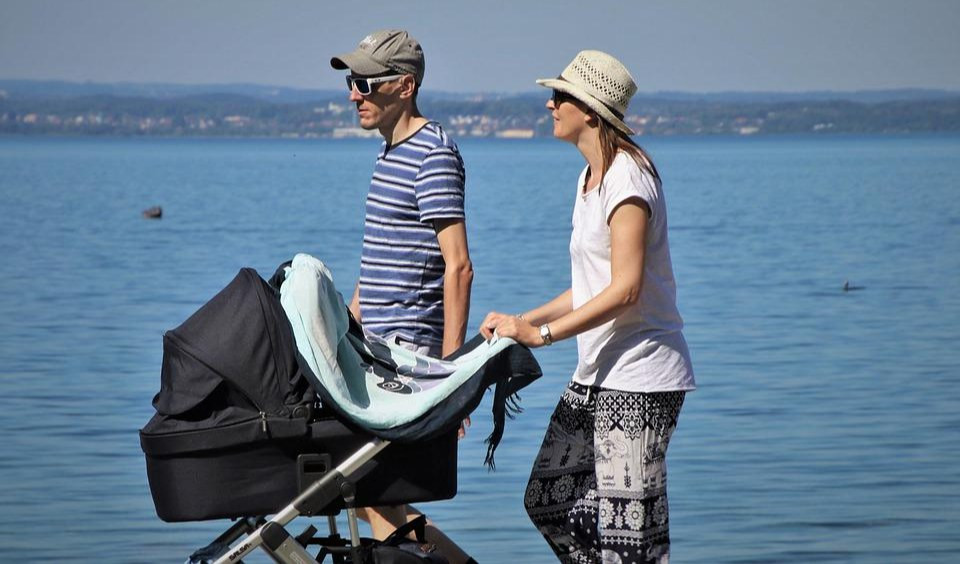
(584, 191)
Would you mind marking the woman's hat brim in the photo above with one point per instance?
(585, 97)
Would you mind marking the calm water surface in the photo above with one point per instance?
(825, 427)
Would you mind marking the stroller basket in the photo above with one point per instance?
(260, 478)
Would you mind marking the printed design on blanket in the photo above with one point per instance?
(398, 372)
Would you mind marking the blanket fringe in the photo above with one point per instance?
(505, 405)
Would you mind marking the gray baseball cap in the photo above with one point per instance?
(384, 51)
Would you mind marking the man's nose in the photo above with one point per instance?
(354, 95)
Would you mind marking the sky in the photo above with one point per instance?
(492, 46)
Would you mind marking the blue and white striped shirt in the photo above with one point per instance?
(415, 182)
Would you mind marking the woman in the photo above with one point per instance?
(597, 491)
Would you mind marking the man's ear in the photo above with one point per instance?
(408, 86)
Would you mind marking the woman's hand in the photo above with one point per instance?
(490, 323)
(511, 326)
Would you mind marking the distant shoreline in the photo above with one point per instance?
(136, 110)
(539, 139)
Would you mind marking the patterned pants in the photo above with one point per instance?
(598, 489)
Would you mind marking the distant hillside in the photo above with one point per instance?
(53, 89)
(44, 89)
(64, 108)
(859, 96)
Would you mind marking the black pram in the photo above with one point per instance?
(239, 432)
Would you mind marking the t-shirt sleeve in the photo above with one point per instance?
(626, 180)
(439, 185)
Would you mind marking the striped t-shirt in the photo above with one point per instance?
(415, 182)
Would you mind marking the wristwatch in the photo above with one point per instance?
(545, 335)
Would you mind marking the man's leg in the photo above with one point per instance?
(385, 520)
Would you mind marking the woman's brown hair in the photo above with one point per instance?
(612, 141)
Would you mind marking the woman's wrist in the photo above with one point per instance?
(545, 335)
(534, 318)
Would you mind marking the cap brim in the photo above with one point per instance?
(582, 95)
(359, 63)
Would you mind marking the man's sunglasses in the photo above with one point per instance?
(364, 85)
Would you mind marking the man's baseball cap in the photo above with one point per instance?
(384, 51)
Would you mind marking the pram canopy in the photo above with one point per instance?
(230, 375)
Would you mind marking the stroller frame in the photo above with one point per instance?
(274, 539)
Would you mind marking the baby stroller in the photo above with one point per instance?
(255, 417)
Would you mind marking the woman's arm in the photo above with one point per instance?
(628, 229)
(555, 308)
(545, 313)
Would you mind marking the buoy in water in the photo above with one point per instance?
(848, 287)
(156, 212)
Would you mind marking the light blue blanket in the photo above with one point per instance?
(377, 383)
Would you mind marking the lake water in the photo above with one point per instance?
(826, 426)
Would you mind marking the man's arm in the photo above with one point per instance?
(457, 279)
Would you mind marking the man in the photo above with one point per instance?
(415, 269)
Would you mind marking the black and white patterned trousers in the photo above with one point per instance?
(598, 489)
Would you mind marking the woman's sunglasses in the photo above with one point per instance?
(560, 97)
(364, 85)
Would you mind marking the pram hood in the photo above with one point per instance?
(230, 375)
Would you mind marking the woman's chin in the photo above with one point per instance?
(559, 134)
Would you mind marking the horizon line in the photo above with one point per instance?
(469, 92)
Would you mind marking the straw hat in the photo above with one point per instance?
(599, 81)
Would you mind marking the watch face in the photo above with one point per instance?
(545, 334)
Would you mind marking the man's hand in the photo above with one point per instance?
(354, 306)
(463, 428)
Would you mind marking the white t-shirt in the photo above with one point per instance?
(643, 349)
